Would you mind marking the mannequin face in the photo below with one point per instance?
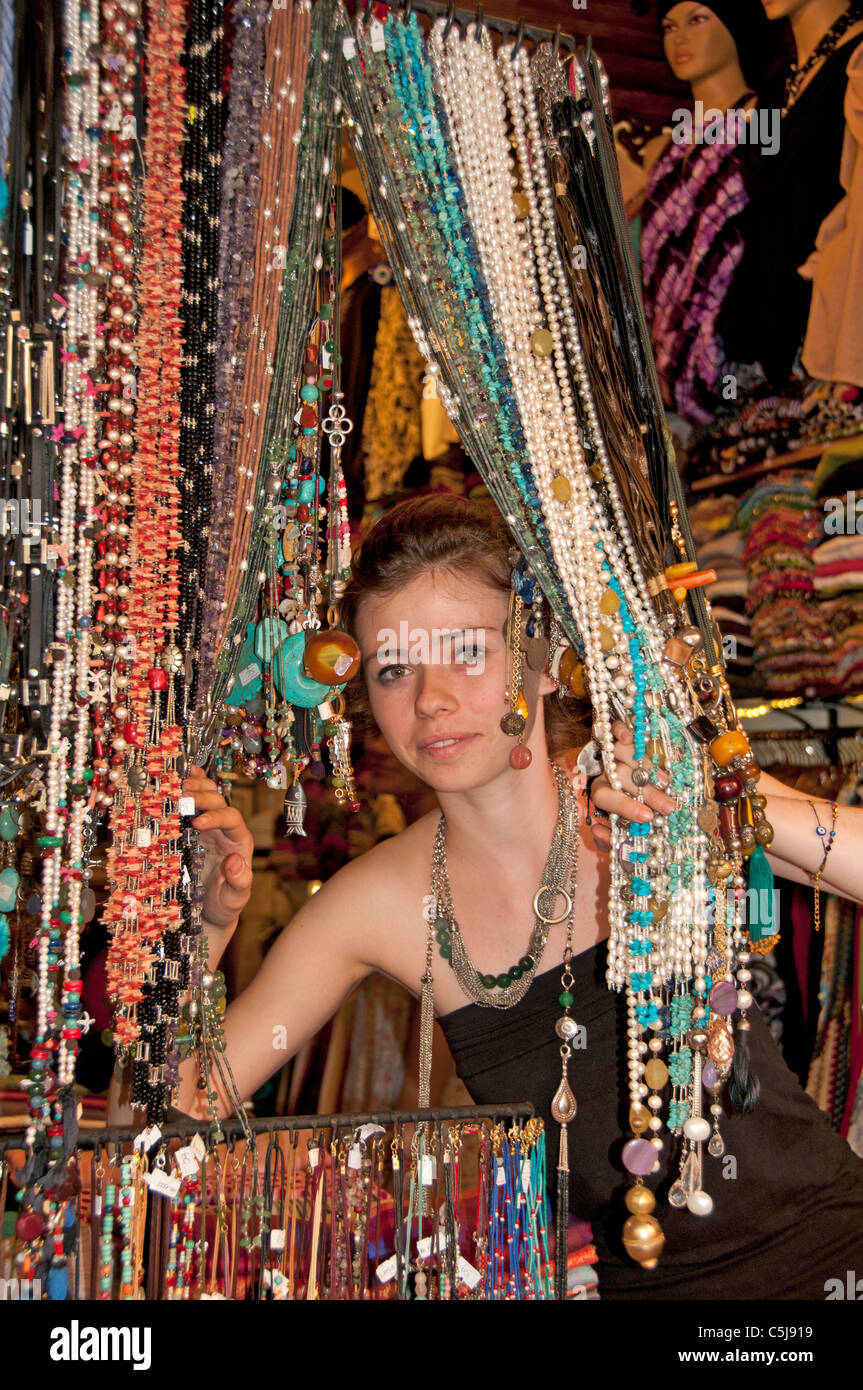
(696, 42)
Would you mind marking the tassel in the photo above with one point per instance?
(744, 1087)
(761, 916)
(58, 1281)
(561, 1217)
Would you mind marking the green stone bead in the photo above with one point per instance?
(502, 981)
(488, 981)
(446, 952)
(566, 999)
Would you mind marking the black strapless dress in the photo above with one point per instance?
(788, 1213)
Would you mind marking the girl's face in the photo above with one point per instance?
(434, 659)
(696, 42)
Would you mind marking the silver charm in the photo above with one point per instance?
(295, 809)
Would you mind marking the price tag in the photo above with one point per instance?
(148, 1137)
(466, 1272)
(186, 1161)
(277, 1238)
(198, 1148)
(314, 1157)
(386, 1271)
(376, 32)
(186, 806)
(349, 47)
(500, 1177)
(97, 1205)
(525, 1176)
(163, 1183)
(249, 673)
(143, 838)
(429, 1170)
(425, 1246)
(355, 1156)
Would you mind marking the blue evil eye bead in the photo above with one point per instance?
(290, 678)
(247, 675)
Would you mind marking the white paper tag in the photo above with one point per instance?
(198, 1147)
(148, 1137)
(163, 1183)
(186, 1161)
(186, 806)
(429, 1170)
(396, 1163)
(349, 47)
(386, 1271)
(466, 1272)
(355, 1156)
(314, 1157)
(143, 838)
(97, 1205)
(525, 1176)
(500, 1179)
(277, 1238)
(376, 33)
(367, 1132)
(249, 673)
(425, 1246)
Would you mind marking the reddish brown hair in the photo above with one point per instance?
(442, 531)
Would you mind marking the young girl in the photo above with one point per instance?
(789, 1214)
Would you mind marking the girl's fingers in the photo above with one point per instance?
(601, 836)
(236, 882)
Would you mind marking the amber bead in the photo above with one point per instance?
(520, 757)
(727, 788)
(331, 657)
(734, 744)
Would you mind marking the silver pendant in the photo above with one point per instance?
(295, 809)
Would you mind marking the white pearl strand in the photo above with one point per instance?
(469, 83)
(88, 307)
(80, 33)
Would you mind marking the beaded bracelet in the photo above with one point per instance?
(816, 877)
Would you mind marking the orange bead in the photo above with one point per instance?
(734, 744)
(331, 657)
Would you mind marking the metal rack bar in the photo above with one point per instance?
(233, 1129)
(500, 26)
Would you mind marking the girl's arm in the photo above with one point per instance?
(311, 968)
(797, 850)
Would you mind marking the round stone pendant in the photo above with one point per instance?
(513, 724)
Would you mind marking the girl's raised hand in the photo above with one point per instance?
(227, 876)
(625, 802)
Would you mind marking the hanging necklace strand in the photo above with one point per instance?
(558, 879)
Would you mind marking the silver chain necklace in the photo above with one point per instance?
(558, 880)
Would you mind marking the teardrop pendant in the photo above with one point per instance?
(564, 1106)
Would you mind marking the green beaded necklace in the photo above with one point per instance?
(559, 878)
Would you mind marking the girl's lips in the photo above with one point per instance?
(449, 750)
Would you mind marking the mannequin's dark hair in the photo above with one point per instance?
(441, 531)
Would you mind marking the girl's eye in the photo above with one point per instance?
(392, 673)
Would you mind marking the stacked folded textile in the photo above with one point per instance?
(719, 543)
(793, 646)
(838, 584)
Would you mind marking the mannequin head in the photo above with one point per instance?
(716, 46)
(697, 44)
